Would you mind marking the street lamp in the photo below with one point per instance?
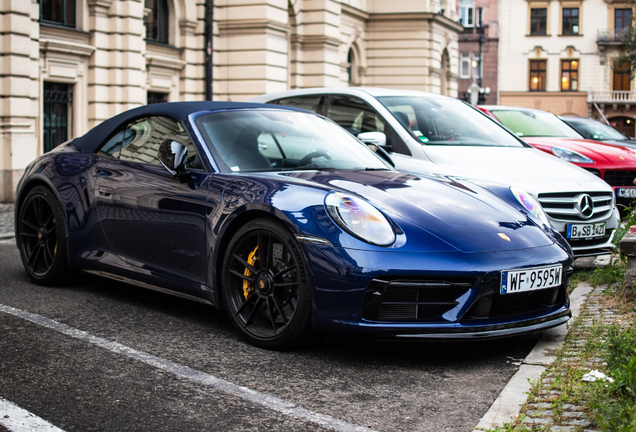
(481, 39)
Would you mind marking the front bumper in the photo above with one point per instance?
(450, 295)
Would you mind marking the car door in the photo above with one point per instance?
(151, 220)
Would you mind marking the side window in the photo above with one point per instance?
(310, 103)
(141, 139)
(356, 116)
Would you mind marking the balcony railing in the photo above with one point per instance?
(610, 36)
(471, 33)
(612, 96)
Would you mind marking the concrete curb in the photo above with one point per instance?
(6, 236)
(507, 406)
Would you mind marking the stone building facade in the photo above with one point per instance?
(67, 65)
(558, 55)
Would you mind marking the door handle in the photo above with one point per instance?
(106, 191)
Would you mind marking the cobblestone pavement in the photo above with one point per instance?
(6, 220)
(543, 412)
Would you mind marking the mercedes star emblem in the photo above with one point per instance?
(585, 206)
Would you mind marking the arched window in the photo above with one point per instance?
(351, 68)
(60, 12)
(157, 21)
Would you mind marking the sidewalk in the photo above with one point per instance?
(535, 400)
(6, 221)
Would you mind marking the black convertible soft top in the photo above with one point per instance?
(177, 110)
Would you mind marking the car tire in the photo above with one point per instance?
(41, 238)
(266, 286)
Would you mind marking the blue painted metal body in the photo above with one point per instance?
(136, 222)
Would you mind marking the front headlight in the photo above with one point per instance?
(360, 219)
(571, 155)
(530, 204)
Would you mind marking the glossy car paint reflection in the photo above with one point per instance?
(137, 223)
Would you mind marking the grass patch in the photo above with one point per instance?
(609, 406)
(607, 275)
(614, 405)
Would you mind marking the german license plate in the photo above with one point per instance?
(514, 281)
(585, 230)
(626, 192)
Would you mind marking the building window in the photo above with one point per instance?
(570, 21)
(351, 72)
(467, 13)
(537, 75)
(538, 21)
(569, 75)
(621, 74)
(157, 21)
(622, 19)
(464, 65)
(58, 12)
(58, 114)
(477, 66)
(157, 97)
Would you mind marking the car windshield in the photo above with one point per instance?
(277, 140)
(435, 120)
(531, 123)
(596, 130)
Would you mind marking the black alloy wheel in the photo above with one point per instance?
(266, 288)
(41, 238)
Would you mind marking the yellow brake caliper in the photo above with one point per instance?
(251, 260)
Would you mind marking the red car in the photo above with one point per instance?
(545, 131)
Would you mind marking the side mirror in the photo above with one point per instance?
(375, 138)
(376, 142)
(172, 155)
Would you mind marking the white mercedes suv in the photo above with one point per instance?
(429, 133)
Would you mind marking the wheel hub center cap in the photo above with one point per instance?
(264, 284)
(42, 235)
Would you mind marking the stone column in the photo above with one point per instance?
(19, 123)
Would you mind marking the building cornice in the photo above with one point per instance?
(355, 12)
(418, 16)
(66, 47)
(153, 60)
(251, 26)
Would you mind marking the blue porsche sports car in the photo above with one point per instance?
(291, 225)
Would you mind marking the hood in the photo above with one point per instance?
(526, 168)
(604, 154)
(631, 143)
(435, 214)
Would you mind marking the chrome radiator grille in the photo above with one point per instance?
(571, 206)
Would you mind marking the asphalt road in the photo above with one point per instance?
(88, 382)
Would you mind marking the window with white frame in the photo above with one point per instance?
(464, 65)
(467, 13)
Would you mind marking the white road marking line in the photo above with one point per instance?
(263, 399)
(17, 419)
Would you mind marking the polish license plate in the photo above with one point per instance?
(531, 279)
(626, 192)
(585, 230)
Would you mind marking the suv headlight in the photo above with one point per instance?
(571, 155)
(360, 219)
(530, 204)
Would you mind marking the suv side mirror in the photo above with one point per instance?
(375, 138)
(376, 141)
(172, 155)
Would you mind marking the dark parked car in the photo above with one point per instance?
(290, 224)
(597, 131)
